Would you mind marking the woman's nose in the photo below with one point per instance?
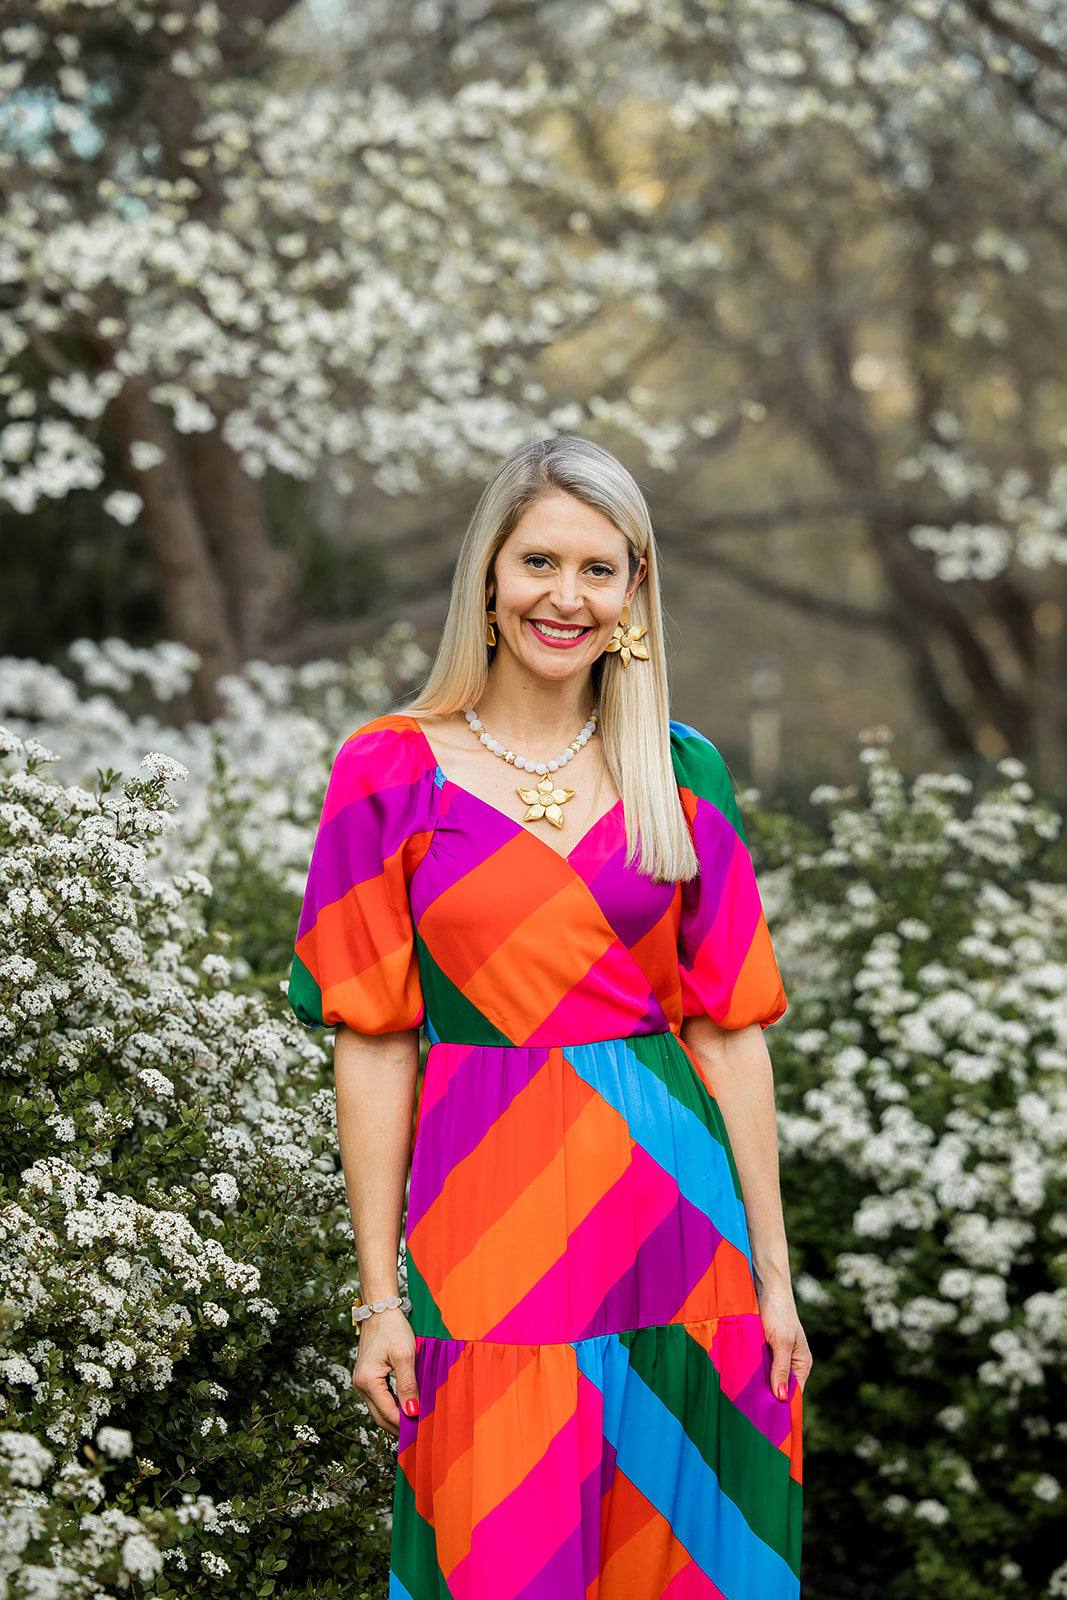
(567, 596)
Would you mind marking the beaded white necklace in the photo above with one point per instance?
(544, 801)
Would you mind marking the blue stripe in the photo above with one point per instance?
(687, 732)
(662, 1462)
(672, 1134)
(396, 1588)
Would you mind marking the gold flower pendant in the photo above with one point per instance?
(545, 801)
(626, 640)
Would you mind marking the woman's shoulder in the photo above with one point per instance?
(701, 772)
(384, 752)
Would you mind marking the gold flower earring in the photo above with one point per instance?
(626, 640)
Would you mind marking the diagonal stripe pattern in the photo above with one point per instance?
(596, 1420)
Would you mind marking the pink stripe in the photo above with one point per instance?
(710, 976)
(511, 1545)
(599, 1251)
(737, 1351)
(442, 1065)
(373, 759)
(692, 1583)
(590, 1415)
(605, 1003)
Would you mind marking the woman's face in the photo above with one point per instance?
(558, 586)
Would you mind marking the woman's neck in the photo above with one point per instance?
(534, 713)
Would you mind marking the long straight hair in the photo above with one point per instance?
(633, 699)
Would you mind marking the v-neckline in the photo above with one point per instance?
(497, 811)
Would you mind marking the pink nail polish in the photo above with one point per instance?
(782, 1392)
(411, 1407)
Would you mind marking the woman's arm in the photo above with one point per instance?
(738, 1070)
(374, 1078)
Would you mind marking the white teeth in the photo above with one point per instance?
(558, 633)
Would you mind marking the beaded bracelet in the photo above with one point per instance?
(361, 1311)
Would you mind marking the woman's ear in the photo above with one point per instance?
(637, 580)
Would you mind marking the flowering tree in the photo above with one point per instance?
(828, 236)
(218, 272)
(849, 219)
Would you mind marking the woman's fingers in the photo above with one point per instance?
(374, 1387)
(387, 1351)
(788, 1346)
(781, 1341)
(407, 1390)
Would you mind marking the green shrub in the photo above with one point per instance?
(922, 1093)
(175, 1250)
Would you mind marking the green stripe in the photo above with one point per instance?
(751, 1470)
(425, 1317)
(451, 1014)
(699, 766)
(414, 1548)
(665, 1059)
(305, 996)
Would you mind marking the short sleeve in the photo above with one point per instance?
(356, 959)
(725, 958)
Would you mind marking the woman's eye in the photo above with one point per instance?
(538, 562)
(602, 570)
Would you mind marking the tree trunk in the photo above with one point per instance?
(194, 600)
(258, 579)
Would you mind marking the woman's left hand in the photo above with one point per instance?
(787, 1340)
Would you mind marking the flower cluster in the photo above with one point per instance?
(173, 1219)
(922, 1072)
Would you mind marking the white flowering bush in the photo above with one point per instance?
(255, 776)
(175, 1253)
(922, 1072)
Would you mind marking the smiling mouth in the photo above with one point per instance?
(551, 630)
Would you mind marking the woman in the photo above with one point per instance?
(599, 1391)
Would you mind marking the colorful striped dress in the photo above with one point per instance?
(596, 1419)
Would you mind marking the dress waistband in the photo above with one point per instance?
(561, 1044)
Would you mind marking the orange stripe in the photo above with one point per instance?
(518, 1146)
(657, 956)
(640, 1555)
(362, 924)
(726, 1289)
(572, 933)
(793, 1446)
(757, 994)
(485, 903)
(515, 1252)
(624, 1511)
(453, 1414)
(384, 999)
(510, 1437)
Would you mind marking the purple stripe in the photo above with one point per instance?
(758, 1403)
(589, 1500)
(716, 847)
(667, 1267)
(630, 914)
(560, 1575)
(434, 1360)
(467, 833)
(607, 1467)
(481, 1090)
(351, 847)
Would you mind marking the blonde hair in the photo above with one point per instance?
(633, 699)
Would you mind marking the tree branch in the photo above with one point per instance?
(807, 600)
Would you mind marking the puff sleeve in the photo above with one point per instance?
(356, 959)
(726, 962)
